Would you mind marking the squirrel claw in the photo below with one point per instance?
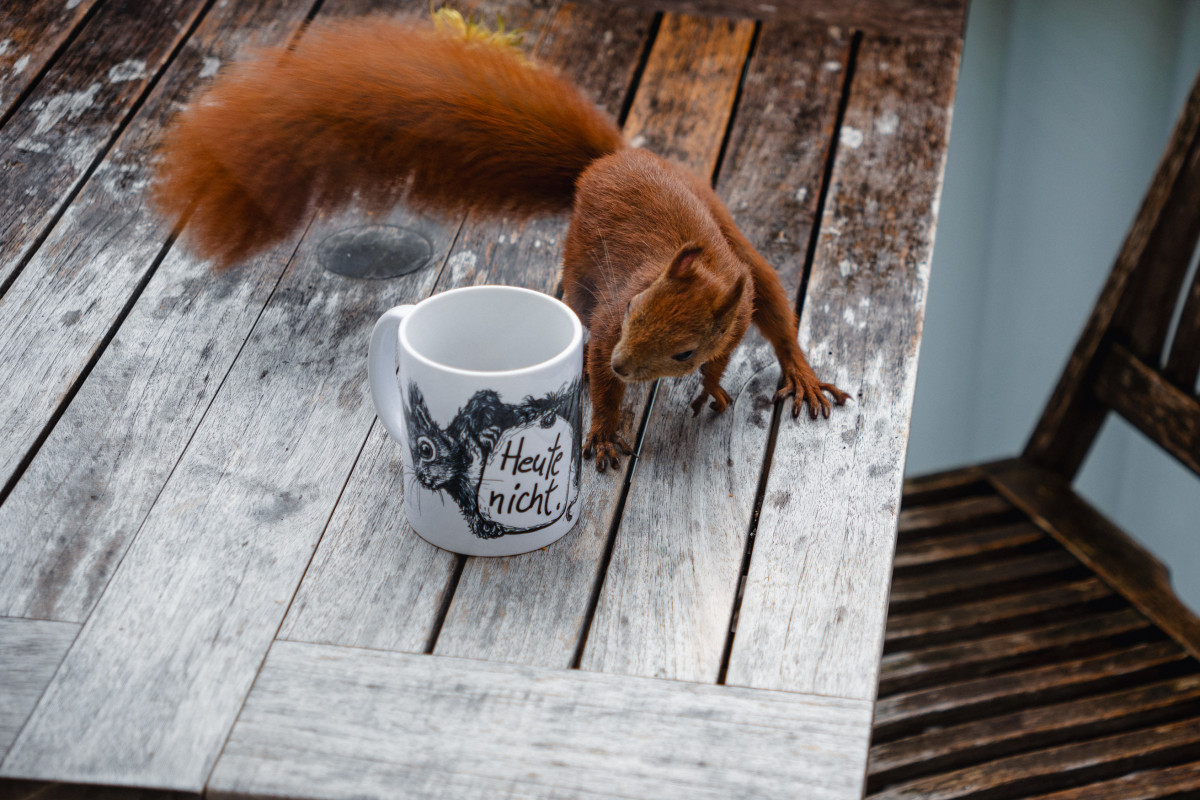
(607, 451)
(720, 400)
(812, 392)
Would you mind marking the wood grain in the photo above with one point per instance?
(667, 599)
(1102, 546)
(912, 669)
(1040, 726)
(901, 714)
(76, 110)
(332, 722)
(816, 593)
(987, 542)
(953, 515)
(69, 520)
(987, 578)
(1145, 785)
(30, 652)
(893, 17)
(947, 623)
(687, 90)
(1164, 412)
(1069, 764)
(31, 33)
(938, 486)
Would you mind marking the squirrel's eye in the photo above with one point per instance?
(425, 449)
(684, 356)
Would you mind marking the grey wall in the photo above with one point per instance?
(1063, 109)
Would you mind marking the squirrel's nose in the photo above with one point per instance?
(619, 366)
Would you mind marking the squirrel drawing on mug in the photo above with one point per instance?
(379, 112)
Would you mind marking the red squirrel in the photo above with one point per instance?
(379, 112)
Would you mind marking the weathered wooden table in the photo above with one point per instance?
(206, 581)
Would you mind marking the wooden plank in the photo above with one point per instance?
(1102, 546)
(75, 111)
(688, 89)
(942, 486)
(991, 577)
(984, 543)
(68, 521)
(1066, 765)
(911, 669)
(30, 652)
(665, 606)
(816, 593)
(1144, 785)
(900, 714)
(31, 33)
(1041, 726)
(923, 17)
(526, 608)
(948, 515)
(923, 628)
(334, 722)
(1164, 412)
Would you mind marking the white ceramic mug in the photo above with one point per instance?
(487, 413)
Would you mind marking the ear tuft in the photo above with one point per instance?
(683, 264)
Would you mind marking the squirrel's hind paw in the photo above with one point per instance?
(607, 450)
(807, 389)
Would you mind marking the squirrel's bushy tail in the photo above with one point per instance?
(382, 112)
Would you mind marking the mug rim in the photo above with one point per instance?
(554, 360)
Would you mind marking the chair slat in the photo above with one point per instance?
(947, 485)
(914, 668)
(909, 589)
(898, 714)
(1175, 782)
(951, 513)
(986, 542)
(931, 626)
(1156, 407)
(1059, 767)
(1040, 726)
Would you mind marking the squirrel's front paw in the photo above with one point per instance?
(607, 449)
(803, 387)
(720, 399)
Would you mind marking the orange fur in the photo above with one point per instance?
(381, 112)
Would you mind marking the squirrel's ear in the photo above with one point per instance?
(683, 265)
(417, 410)
(730, 302)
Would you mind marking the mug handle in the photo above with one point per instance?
(381, 371)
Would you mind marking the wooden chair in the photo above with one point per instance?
(1032, 648)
